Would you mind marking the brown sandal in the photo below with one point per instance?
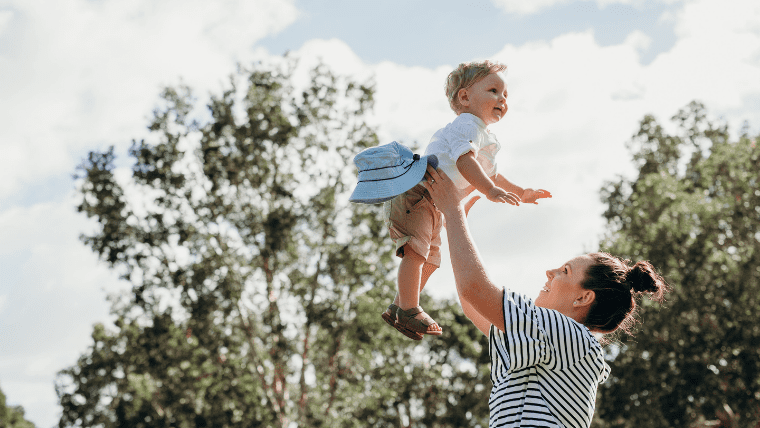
(390, 317)
(407, 324)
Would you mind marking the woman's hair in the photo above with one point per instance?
(617, 285)
(467, 74)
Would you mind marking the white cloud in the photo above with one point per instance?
(5, 18)
(86, 74)
(411, 102)
(715, 60)
(529, 7)
(639, 41)
(705, 19)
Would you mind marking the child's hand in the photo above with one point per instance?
(497, 194)
(530, 196)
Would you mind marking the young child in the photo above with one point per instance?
(466, 151)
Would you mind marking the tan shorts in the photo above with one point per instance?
(413, 220)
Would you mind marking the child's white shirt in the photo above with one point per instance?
(465, 134)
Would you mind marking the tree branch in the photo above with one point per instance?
(306, 339)
(334, 376)
(273, 403)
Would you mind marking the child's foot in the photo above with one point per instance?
(390, 317)
(415, 320)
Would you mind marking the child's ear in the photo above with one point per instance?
(464, 97)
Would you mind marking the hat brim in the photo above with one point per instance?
(375, 192)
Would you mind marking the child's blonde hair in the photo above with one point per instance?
(466, 75)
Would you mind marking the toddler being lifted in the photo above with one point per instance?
(465, 150)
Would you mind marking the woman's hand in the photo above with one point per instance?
(461, 193)
(469, 204)
(446, 196)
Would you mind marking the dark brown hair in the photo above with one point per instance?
(617, 285)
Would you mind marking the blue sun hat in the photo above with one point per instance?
(387, 171)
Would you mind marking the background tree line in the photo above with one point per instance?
(694, 211)
(256, 288)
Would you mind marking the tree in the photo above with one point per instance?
(694, 212)
(12, 417)
(256, 287)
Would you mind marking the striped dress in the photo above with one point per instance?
(545, 368)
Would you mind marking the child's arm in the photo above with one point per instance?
(471, 170)
(507, 185)
(526, 195)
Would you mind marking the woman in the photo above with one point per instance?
(545, 362)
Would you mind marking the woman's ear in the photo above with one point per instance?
(585, 299)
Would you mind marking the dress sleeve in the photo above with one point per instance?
(534, 336)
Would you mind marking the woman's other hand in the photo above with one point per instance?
(469, 204)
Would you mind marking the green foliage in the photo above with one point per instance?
(256, 287)
(12, 417)
(694, 212)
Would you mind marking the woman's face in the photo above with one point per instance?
(563, 291)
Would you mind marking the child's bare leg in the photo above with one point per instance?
(410, 283)
(409, 279)
(427, 270)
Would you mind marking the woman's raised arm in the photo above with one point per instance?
(473, 284)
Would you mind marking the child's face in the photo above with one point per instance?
(486, 98)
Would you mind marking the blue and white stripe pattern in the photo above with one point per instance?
(545, 368)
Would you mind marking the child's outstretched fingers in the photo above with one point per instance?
(497, 194)
(531, 196)
(513, 199)
(541, 193)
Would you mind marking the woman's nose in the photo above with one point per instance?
(549, 274)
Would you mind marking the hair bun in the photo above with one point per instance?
(642, 278)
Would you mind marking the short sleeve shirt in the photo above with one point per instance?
(545, 368)
(465, 134)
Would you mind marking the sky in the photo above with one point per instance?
(81, 75)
